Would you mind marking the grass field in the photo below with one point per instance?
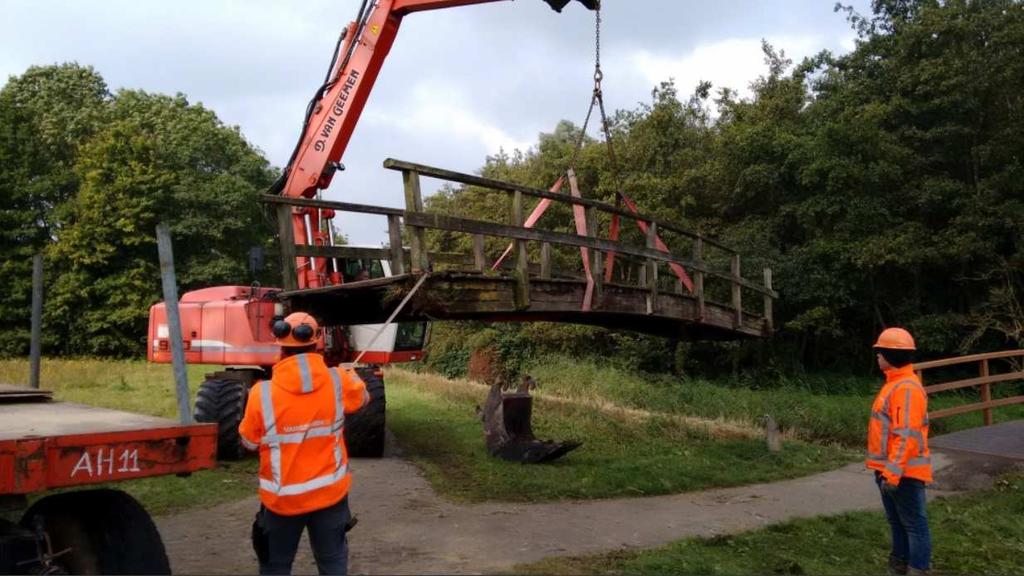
(981, 533)
(835, 417)
(624, 453)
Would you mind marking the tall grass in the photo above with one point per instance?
(822, 417)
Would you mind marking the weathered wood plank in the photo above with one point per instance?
(286, 238)
(768, 318)
(652, 268)
(442, 222)
(414, 204)
(522, 271)
(336, 206)
(737, 291)
(395, 240)
(545, 260)
(500, 186)
(698, 277)
(479, 262)
(596, 262)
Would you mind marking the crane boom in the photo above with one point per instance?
(333, 115)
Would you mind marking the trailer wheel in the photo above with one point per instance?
(364, 430)
(222, 400)
(105, 531)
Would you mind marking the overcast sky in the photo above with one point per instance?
(459, 83)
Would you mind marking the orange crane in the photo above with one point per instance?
(230, 325)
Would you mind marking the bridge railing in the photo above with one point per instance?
(983, 381)
(652, 260)
(715, 269)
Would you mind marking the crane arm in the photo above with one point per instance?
(335, 110)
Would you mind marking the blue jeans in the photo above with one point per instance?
(326, 538)
(908, 521)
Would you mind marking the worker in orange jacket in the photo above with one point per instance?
(296, 420)
(898, 452)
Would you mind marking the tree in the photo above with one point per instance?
(157, 158)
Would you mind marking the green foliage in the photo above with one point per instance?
(884, 187)
(92, 174)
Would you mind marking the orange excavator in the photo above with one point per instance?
(231, 325)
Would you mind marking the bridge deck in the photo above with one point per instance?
(464, 296)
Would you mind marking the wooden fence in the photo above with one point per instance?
(983, 381)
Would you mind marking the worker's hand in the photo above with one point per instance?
(888, 488)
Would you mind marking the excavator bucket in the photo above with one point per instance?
(508, 430)
(557, 5)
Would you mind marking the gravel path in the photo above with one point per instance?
(405, 528)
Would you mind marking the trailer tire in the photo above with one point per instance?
(222, 400)
(107, 532)
(364, 430)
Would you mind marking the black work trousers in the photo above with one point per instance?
(326, 538)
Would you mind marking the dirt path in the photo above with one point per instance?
(405, 528)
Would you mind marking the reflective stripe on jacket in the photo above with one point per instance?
(898, 429)
(297, 420)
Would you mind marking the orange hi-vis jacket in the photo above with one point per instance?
(296, 420)
(898, 429)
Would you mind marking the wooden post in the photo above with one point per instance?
(166, 254)
(36, 344)
(768, 299)
(286, 237)
(698, 277)
(478, 252)
(737, 293)
(986, 393)
(414, 203)
(545, 260)
(395, 239)
(596, 266)
(652, 268)
(522, 273)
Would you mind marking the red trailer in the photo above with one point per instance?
(46, 445)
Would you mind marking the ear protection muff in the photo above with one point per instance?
(302, 332)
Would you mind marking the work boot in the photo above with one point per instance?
(897, 566)
(911, 571)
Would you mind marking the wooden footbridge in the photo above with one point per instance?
(640, 281)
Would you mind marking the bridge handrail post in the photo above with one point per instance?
(652, 268)
(414, 203)
(737, 291)
(596, 268)
(698, 277)
(769, 322)
(395, 239)
(522, 270)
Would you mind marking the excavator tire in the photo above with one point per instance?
(222, 400)
(364, 430)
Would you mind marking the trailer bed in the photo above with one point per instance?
(48, 444)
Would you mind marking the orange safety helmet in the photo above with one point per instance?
(296, 330)
(895, 339)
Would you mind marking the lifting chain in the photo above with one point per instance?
(598, 99)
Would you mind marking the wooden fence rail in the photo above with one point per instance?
(984, 381)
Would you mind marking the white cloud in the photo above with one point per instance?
(732, 63)
(432, 110)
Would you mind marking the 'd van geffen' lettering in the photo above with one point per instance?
(337, 109)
